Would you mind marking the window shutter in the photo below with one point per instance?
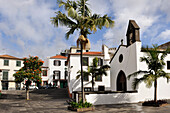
(101, 60)
(59, 74)
(54, 62)
(59, 63)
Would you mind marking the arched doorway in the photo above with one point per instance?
(121, 82)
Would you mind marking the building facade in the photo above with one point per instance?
(44, 76)
(74, 85)
(9, 65)
(57, 71)
(126, 61)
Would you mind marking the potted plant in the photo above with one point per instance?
(80, 107)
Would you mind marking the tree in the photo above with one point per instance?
(31, 72)
(155, 62)
(79, 18)
(95, 71)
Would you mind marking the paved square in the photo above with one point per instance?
(54, 101)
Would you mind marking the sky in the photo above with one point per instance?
(25, 27)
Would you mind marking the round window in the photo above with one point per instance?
(120, 58)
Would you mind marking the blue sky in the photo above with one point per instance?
(25, 27)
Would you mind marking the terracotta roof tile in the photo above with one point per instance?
(59, 56)
(10, 57)
(90, 53)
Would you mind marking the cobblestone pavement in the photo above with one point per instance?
(54, 101)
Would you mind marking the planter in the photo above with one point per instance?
(81, 109)
(159, 103)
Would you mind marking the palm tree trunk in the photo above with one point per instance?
(92, 83)
(155, 92)
(81, 60)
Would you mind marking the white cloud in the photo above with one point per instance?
(164, 35)
(27, 25)
(144, 12)
(99, 6)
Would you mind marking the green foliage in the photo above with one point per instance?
(79, 18)
(80, 104)
(155, 62)
(94, 70)
(31, 70)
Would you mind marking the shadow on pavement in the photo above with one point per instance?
(48, 94)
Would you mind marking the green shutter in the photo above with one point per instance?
(6, 62)
(18, 63)
(5, 75)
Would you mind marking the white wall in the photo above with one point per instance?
(52, 68)
(75, 85)
(142, 95)
(131, 63)
(128, 65)
(12, 68)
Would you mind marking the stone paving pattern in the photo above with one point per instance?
(54, 101)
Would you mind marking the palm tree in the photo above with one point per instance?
(80, 18)
(95, 71)
(155, 62)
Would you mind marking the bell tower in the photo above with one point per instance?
(132, 33)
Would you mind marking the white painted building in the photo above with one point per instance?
(44, 75)
(126, 61)
(57, 71)
(9, 65)
(74, 84)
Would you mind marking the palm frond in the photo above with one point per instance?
(137, 81)
(135, 74)
(163, 74)
(149, 79)
(145, 59)
(85, 73)
(71, 31)
(78, 76)
(62, 19)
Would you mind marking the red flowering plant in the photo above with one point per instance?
(30, 72)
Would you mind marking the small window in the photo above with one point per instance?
(5, 75)
(98, 78)
(65, 63)
(6, 62)
(86, 78)
(85, 61)
(56, 75)
(44, 72)
(18, 63)
(168, 64)
(78, 51)
(57, 62)
(100, 62)
(120, 58)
